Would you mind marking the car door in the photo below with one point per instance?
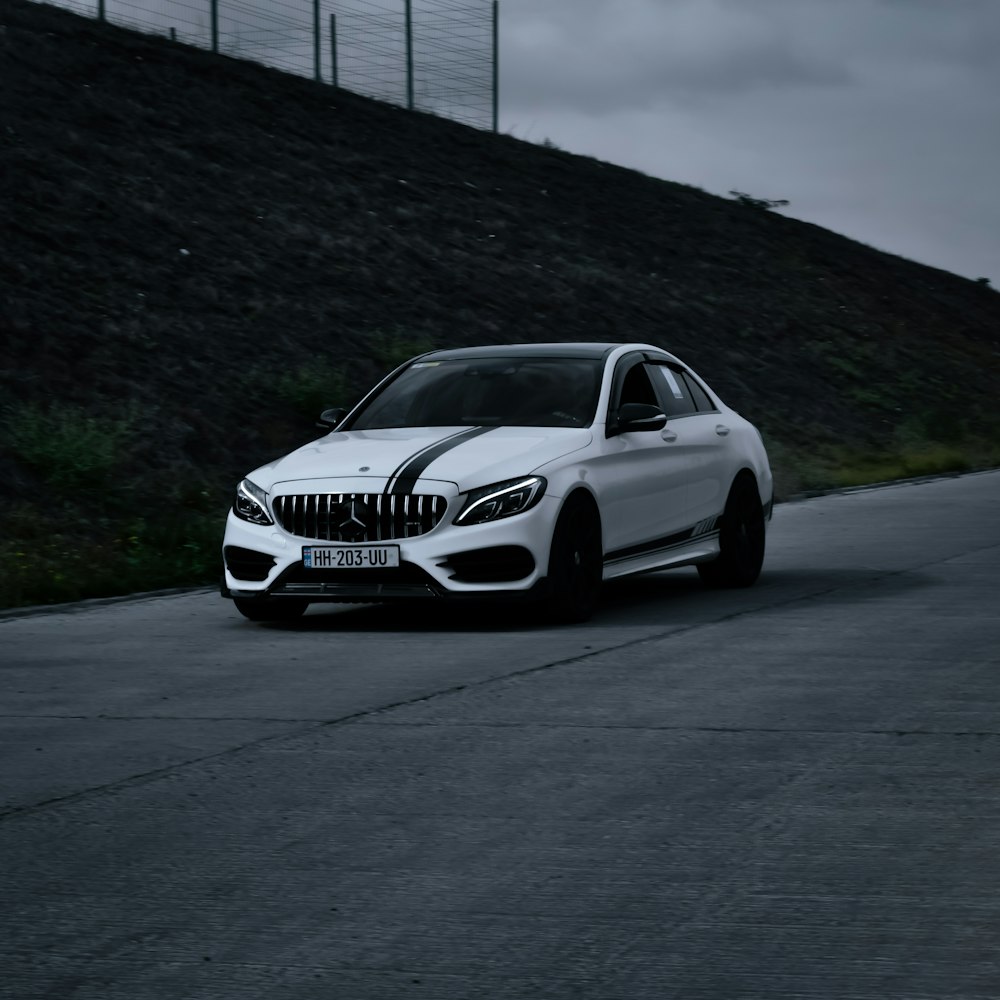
(638, 477)
(700, 441)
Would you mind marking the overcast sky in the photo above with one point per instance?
(878, 119)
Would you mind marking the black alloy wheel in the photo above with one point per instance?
(741, 539)
(576, 563)
(271, 609)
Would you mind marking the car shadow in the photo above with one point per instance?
(667, 598)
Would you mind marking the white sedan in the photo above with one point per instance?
(532, 470)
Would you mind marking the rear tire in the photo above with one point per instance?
(576, 563)
(271, 609)
(741, 539)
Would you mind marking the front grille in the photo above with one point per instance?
(358, 517)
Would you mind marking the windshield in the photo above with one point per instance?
(521, 392)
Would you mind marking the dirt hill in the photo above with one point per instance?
(198, 253)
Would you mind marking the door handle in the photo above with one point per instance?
(721, 429)
(668, 435)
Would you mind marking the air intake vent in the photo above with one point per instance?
(358, 517)
(245, 564)
(497, 564)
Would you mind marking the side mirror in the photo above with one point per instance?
(329, 419)
(639, 417)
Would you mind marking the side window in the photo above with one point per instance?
(637, 388)
(675, 395)
(701, 398)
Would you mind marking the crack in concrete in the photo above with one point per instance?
(439, 724)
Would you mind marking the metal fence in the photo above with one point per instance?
(438, 56)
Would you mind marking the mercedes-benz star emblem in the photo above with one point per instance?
(353, 527)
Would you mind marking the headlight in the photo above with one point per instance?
(490, 503)
(251, 503)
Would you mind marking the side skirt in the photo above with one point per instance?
(691, 551)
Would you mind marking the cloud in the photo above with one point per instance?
(603, 57)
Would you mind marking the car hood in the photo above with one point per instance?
(395, 458)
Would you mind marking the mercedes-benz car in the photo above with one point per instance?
(520, 471)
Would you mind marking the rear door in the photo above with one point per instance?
(700, 441)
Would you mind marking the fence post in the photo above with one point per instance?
(496, 66)
(215, 25)
(100, 10)
(317, 69)
(409, 54)
(333, 49)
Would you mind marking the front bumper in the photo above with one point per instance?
(508, 557)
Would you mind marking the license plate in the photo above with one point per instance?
(350, 556)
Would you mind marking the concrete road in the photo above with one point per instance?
(790, 791)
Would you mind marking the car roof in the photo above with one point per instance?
(581, 350)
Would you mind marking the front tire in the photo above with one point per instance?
(741, 539)
(271, 609)
(576, 563)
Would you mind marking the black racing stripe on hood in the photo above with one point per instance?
(406, 475)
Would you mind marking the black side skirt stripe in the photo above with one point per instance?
(407, 474)
(703, 529)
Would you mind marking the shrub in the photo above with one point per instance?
(745, 199)
(310, 389)
(390, 350)
(71, 451)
